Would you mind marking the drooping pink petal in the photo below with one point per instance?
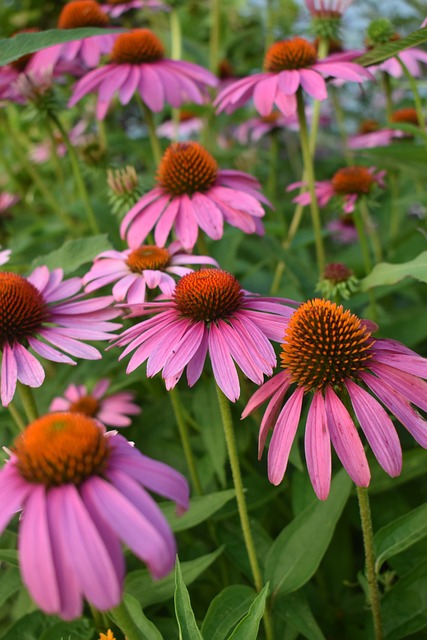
(317, 446)
(283, 437)
(313, 84)
(270, 416)
(13, 493)
(208, 216)
(411, 387)
(196, 364)
(264, 94)
(151, 88)
(266, 390)
(184, 350)
(29, 369)
(186, 224)
(222, 364)
(289, 81)
(9, 375)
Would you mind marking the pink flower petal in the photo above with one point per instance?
(264, 94)
(9, 375)
(283, 437)
(266, 390)
(222, 364)
(313, 84)
(289, 81)
(30, 371)
(318, 447)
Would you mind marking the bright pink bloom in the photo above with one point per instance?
(133, 270)
(44, 306)
(4, 256)
(137, 63)
(193, 192)
(116, 8)
(87, 51)
(327, 8)
(288, 65)
(82, 491)
(330, 353)
(188, 124)
(208, 312)
(255, 128)
(350, 184)
(113, 410)
(411, 58)
(7, 200)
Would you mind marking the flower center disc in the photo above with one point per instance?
(87, 405)
(82, 13)
(324, 345)
(186, 167)
(149, 257)
(368, 126)
(137, 47)
(352, 180)
(296, 53)
(61, 448)
(22, 308)
(337, 272)
(405, 115)
(208, 294)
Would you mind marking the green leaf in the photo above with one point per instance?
(77, 630)
(201, 508)
(400, 534)
(18, 46)
(225, 611)
(387, 273)
(188, 629)
(294, 609)
(133, 621)
(147, 591)
(298, 550)
(404, 607)
(74, 253)
(30, 627)
(391, 49)
(206, 411)
(10, 583)
(414, 466)
(10, 556)
(247, 629)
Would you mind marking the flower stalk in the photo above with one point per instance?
(185, 440)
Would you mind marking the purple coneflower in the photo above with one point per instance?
(112, 410)
(327, 8)
(331, 353)
(288, 65)
(115, 8)
(349, 183)
(138, 63)
(81, 492)
(87, 51)
(343, 230)
(208, 312)
(42, 151)
(134, 270)
(188, 124)
(44, 306)
(377, 137)
(193, 192)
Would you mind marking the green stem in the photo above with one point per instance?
(152, 133)
(371, 229)
(361, 232)
(56, 159)
(28, 401)
(272, 169)
(81, 187)
(185, 440)
(233, 457)
(395, 211)
(17, 418)
(388, 94)
(214, 36)
(309, 172)
(339, 114)
(368, 542)
(414, 88)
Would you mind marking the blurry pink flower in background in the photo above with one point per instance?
(288, 65)
(411, 58)
(327, 8)
(87, 51)
(209, 313)
(255, 128)
(137, 63)
(113, 410)
(330, 353)
(188, 124)
(4, 255)
(135, 270)
(44, 306)
(343, 230)
(42, 151)
(7, 201)
(115, 8)
(82, 491)
(384, 137)
(349, 183)
(193, 192)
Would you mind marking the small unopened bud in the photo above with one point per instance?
(380, 31)
(338, 282)
(122, 181)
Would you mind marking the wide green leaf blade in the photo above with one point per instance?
(77, 630)
(201, 508)
(294, 610)
(247, 629)
(391, 49)
(188, 629)
(297, 552)
(74, 253)
(147, 591)
(130, 616)
(400, 534)
(225, 611)
(24, 43)
(404, 607)
(386, 273)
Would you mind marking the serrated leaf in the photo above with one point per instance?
(400, 534)
(148, 591)
(225, 611)
(391, 49)
(386, 273)
(297, 552)
(77, 630)
(404, 607)
(294, 609)
(201, 508)
(247, 629)
(74, 253)
(188, 629)
(24, 43)
(132, 620)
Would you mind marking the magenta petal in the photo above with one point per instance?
(264, 94)
(345, 440)
(184, 350)
(208, 216)
(9, 375)
(222, 364)
(411, 387)
(270, 416)
(318, 447)
(14, 490)
(289, 81)
(266, 390)
(378, 429)
(283, 437)
(197, 362)
(151, 88)
(313, 84)
(186, 223)
(30, 371)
